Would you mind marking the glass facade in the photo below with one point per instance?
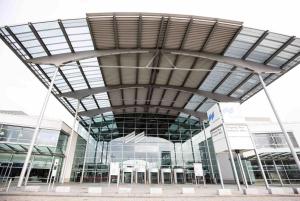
(14, 144)
(287, 170)
(272, 160)
(209, 162)
(159, 141)
(177, 143)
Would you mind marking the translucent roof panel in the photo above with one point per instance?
(243, 42)
(215, 76)
(194, 102)
(267, 47)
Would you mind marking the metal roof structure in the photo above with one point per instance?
(150, 63)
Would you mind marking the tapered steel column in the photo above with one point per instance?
(37, 128)
(29, 171)
(220, 172)
(85, 153)
(95, 160)
(69, 143)
(287, 138)
(237, 180)
(95, 154)
(102, 151)
(106, 152)
(275, 166)
(248, 173)
(286, 174)
(50, 170)
(259, 161)
(175, 154)
(209, 156)
(182, 157)
(242, 169)
(193, 153)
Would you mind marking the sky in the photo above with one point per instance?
(21, 90)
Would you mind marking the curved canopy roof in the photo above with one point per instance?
(125, 63)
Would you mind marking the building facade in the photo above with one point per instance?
(141, 85)
(16, 130)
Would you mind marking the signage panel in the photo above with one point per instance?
(218, 138)
(214, 116)
(114, 168)
(55, 167)
(198, 169)
(231, 113)
(227, 118)
(239, 136)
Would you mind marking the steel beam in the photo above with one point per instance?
(156, 62)
(88, 92)
(91, 113)
(65, 58)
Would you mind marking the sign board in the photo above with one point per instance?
(54, 168)
(114, 168)
(214, 116)
(231, 113)
(239, 136)
(198, 169)
(227, 118)
(218, 138)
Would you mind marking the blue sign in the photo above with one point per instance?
(211, 116)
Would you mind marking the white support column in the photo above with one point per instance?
(286, 174)
(192, 147)
(85, 153)
(37, 128)
(248, 173)
(279, 177)
(237, 180)
(29, 171)
(69, 144)
(209, 156)
(95, 160)
(259, 161)
(287, 138)
(220, 172)
(50, 170)
(106, 153)
(242, 169)
(175, 154)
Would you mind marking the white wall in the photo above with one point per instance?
(68, 160)
(29, 121)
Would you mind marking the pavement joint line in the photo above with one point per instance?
(139, 196)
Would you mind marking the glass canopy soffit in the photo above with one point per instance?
(23, 148)
(111, 31)
(164, 126)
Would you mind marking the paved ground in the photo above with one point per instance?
(58, 198)
(140, 192)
